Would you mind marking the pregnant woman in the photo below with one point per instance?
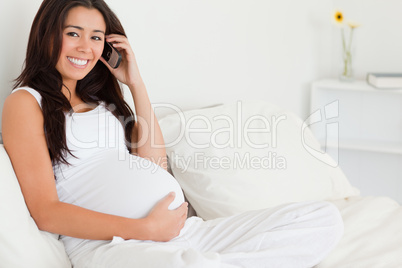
(90, 172)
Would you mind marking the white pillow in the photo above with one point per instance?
(22, 243)
(217, 156)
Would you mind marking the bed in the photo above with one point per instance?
(228, 159)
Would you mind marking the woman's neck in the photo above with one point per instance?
(76, 103)
(68, 89)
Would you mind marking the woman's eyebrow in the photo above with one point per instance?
(80, 28)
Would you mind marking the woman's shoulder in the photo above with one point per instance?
(21, 118)
(22, 100)
(26, 93)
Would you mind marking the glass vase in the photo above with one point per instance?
(346, 73)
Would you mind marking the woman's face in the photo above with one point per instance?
(83, 40)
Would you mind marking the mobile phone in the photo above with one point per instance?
(111, 55)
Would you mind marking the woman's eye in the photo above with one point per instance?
(72, 34)
(97, 38)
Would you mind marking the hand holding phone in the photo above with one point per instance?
(111, 55)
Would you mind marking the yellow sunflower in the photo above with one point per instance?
(338, 16)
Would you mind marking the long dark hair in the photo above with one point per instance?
(43, 52)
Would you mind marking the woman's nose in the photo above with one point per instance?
(84, 45)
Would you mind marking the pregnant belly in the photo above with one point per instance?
(128, 188)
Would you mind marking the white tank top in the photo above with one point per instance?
(103, 175)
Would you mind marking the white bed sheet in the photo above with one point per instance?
(372, 236)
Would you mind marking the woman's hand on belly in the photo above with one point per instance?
(163, 224)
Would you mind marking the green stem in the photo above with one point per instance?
(350, 38)
(343, 39)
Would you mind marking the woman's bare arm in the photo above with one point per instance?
(24, 141)
(147, 140)
(148, 136)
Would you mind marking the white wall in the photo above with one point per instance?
(196, 53)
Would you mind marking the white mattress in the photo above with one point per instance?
(372, 237)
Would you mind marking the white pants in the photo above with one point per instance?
(292, 235)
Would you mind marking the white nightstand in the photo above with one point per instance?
(361, 127)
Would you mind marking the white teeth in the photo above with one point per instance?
(77, 61)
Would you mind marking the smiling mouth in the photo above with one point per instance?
(77, 61)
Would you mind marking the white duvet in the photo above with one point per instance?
(372, 237)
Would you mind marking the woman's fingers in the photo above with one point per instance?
(168, 199)
(122, 46)
(128, 72)
(184, 212)
(166, 224)
(184, 207)
(121, 43)
(114, 38)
